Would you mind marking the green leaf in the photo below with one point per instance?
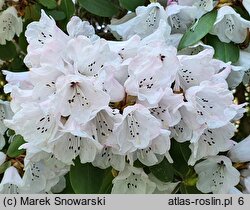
(106, 185)
(23, 42)
(68, 189)
(68, 8)
(87, 179)
(17, 65)
(189, 189)
(224, 51)
(4, 166)
(13, 150)
(138, 164)
(103, 8)
(163, 3)
(7, 51)
(57, 15)
(131, 5)
(194, 34)
(242, 11)
(180, 154)
(50, 4)
(163, 171)
(33, 12)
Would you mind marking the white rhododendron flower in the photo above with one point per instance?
(136, 131)
(216, 174)
(197, 68)
(43, 37)
(11, 183)
(180, 17)
(212, 102)
(74, 142)
(162, 187)
(166, 110)
(230, 26)
(42, 169)
(243, 67)
(246, 4)
(103, 125)
(245, 179)
(107, 158)
(132, 181)
(1, 3)
(247, 185)
(40, 128)
(144, 22)
(5, 113)
(151, 72)
(10, 24)
(240, 151)
(77, 96)
(2, 158)
(211, 142)
(203, 6)
(154, 153)
(77, 27)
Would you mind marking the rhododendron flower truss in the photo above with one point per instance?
(152, 102)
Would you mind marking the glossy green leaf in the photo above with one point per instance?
(4, 166)
(180, 153)
(138, 164)
(50, 4)
(163, 171)
(7, 51)
(242, 11)
(87, 179)
(17, 65)
(224, 51)
(57, 15)
(195, 34)
(103, 8)
(23, 42)
(68, 8)
(131, 5)
(68, 189)
(106, 185)
(13, 150)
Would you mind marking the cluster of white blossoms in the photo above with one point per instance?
(114, 102)
(10, 24)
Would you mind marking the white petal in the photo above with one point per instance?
(216, 174)
(132, 181)
(2, 158)
(240, 151)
